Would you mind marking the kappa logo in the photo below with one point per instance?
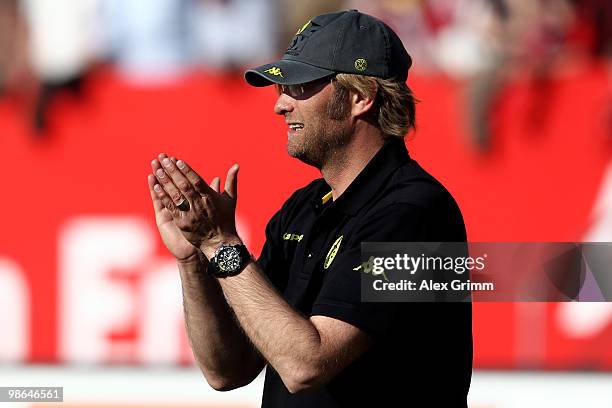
(333, 251)
(276, 71)
(368, 267)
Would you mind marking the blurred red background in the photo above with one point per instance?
(540, 180)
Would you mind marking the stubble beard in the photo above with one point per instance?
(321, 144)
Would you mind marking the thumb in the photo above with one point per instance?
(231, 181)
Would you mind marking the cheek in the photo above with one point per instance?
(338, 109)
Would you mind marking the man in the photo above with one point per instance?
(297, 310)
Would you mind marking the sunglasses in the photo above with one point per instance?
(308, 88)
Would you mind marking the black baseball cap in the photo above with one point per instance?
(347, 41)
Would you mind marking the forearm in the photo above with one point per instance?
(224, 354)
(286, 339)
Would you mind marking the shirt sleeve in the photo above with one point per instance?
(340, 296)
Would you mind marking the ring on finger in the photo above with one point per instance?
(183, 205)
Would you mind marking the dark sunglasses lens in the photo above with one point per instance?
(298, 90)
(291, 90)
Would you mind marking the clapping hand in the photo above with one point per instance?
(191, 215)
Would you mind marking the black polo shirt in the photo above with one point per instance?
(422, 352)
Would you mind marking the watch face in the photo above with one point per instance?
(228, 259)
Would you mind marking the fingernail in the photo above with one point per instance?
(157, 188)
(180, 164)
(160, 173)
(166, 162)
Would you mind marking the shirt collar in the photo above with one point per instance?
(391, 156)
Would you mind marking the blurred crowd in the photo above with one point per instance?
(50, 46)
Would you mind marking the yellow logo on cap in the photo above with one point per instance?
(303, 28)
(276, 71)
(332, 252)
(361, 64)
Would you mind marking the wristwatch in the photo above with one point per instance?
(229, 260)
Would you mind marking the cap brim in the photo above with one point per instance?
(285, 72)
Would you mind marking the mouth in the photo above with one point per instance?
(295, 127)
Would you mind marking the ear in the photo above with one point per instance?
(360, 105)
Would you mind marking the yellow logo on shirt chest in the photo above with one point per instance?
(292, 237)
(333, 251)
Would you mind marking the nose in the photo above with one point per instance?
(283, 104)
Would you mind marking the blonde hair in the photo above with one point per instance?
(394, 103)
